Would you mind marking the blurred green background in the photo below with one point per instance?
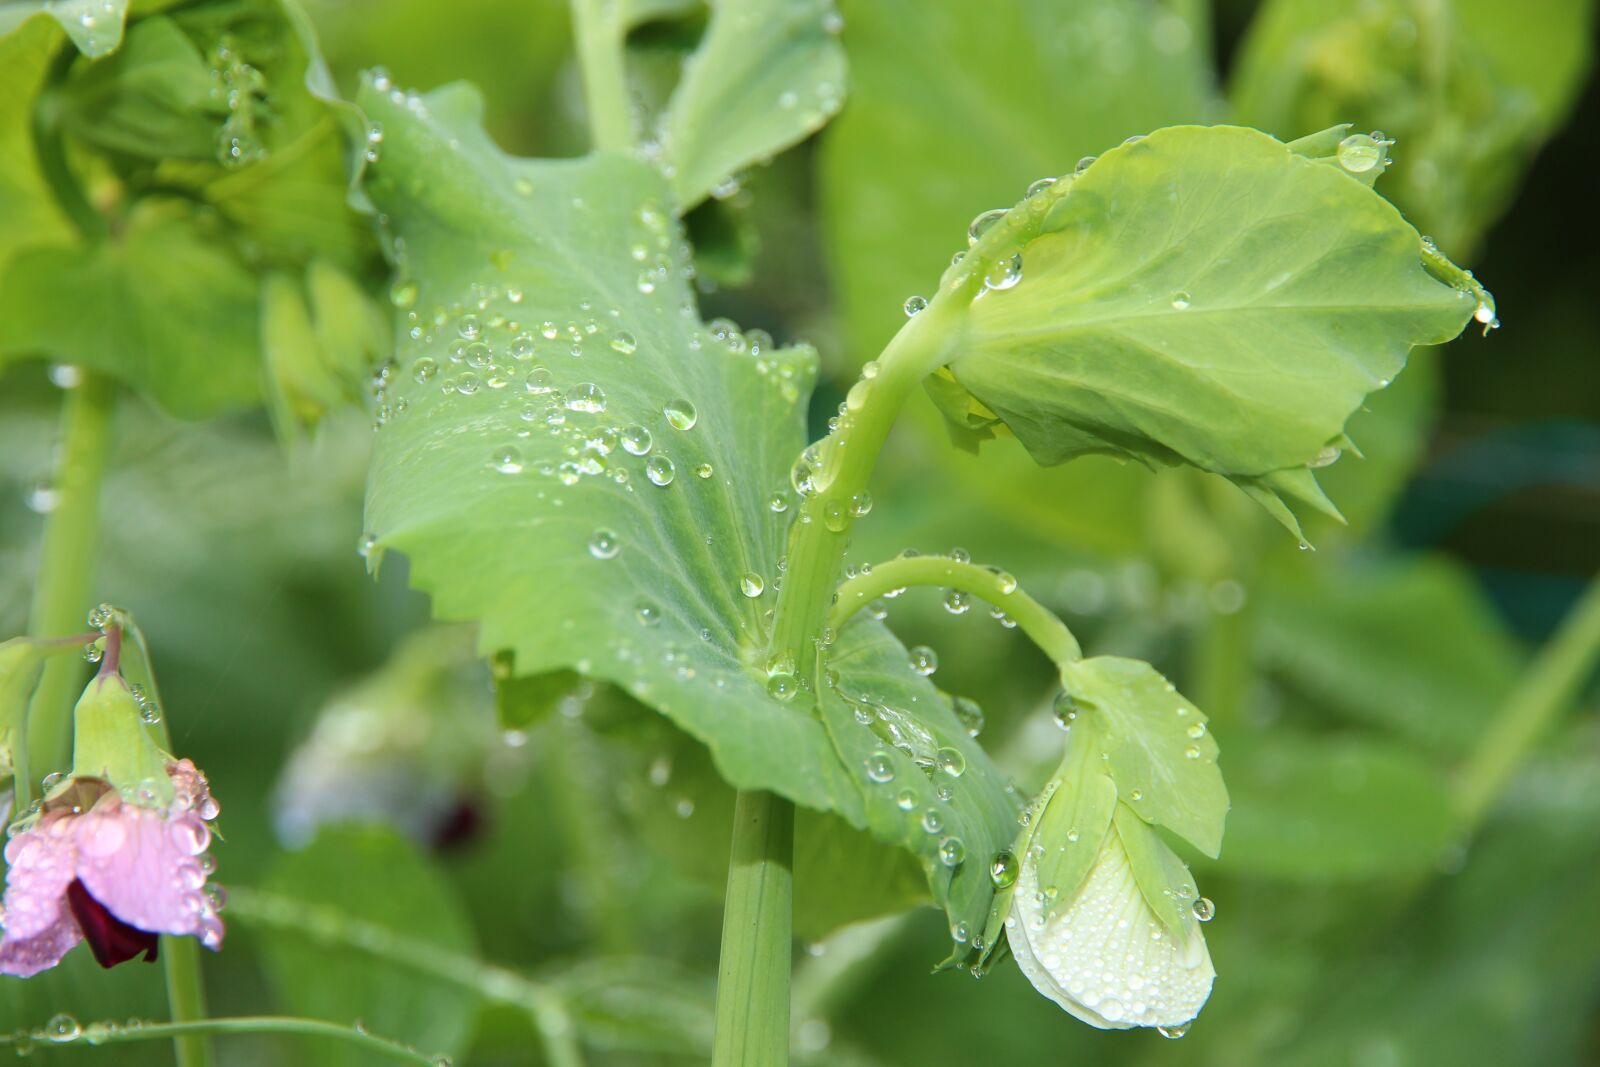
(1360, 920)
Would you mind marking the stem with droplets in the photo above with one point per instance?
(96, 1034)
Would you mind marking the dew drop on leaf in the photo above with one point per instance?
(659, 470)
(981, 224)
(880, 767)
(636, 440)
(751, 585)
(604, 544)
(681, 414)
(924, 660)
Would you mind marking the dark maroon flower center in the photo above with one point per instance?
(110, 939)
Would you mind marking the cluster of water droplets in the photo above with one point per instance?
(65, 1029)
(242, 90)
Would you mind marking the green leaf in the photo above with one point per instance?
(617, 537)
(639, 1006)
(767, 74)
(1163, 879)
(1158, 750)
(1323, 809)
(94, 26)
(371, 877)
(1469, 90)
(28, 212)
(957, 107)
(1202, 296)
(172, 314)
(152, 98)
(1074, 815)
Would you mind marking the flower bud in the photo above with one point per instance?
(111, 743)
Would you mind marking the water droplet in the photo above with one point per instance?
(1172, 1033)
(659, 470)
(636, 440)
(957, 601)
(1005, 273)
(924, 660)
(906, 799)
(681, 414)
(969, 713)
(983, 222)
(1359, 153)
(915, 304)
(403, 293)
(62, 1029)
(751, 585)
(1196, 730)
(424, 369)
(1003, 869)
(932, 821)
(1484, 314)
(703, 471)
(778, 503)
(781, 685)
(1065, 709)
(950, 761)
(623, 341)
(507, 460)
(647, 613)
(1083, 164)
(1180, 301)
(469, 327)
(960, 932)
(952, 852)
(604, 544)
(1136, 796)
(587, 397)
(880, 767)
(1203, 909)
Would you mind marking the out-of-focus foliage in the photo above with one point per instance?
(1347, 686)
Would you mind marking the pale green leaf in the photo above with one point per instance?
(1320, 809)
(767, 74)
(159, 307)
(1074, 815)
(616, 536)
(28, 212)
(366, 877)
(94, 26)
(1158, 749)
(1205, 296)
(155, 97)
(1163, 879)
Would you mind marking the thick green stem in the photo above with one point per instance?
(1223, 667)
(1035, 620)
(838, 477)
(186, 1000)
(600, 34)
(110, 1033)
(752, 1025)
(1544, 692)
(66, 564)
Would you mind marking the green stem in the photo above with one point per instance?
(1223, 665)
(1543, 693)
(599, 32)
(50, 151)
(66, 564)
(752, 1022)
(332, 927)
(1035, 620)
(186, 1000)
(97, 1034)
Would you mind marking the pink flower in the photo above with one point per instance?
(112, 871)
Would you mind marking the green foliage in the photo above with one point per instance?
(767, 74)
(345, 882)
(1469, 89)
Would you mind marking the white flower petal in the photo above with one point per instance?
(1105, 957)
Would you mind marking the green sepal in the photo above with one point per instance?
(1072, 824)
(1157, 746)
(110, 742)
(1164, 880)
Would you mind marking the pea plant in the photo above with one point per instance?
(611, 499)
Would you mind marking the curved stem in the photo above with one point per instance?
(66, 563)
(1545, 690)
(330, 926)
(997, 587)
(599, 33)
(752, 1022)
(50, 151)
(97, 1034)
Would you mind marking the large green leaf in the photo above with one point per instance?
(1321, 809)
(160, 307)
(362, 877)
(1470, 89)
(28, 213)
(1207, 296)
(767, 74)
(94, 26)
(569, 457)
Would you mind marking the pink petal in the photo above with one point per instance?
(144, 867)
(39, 928)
